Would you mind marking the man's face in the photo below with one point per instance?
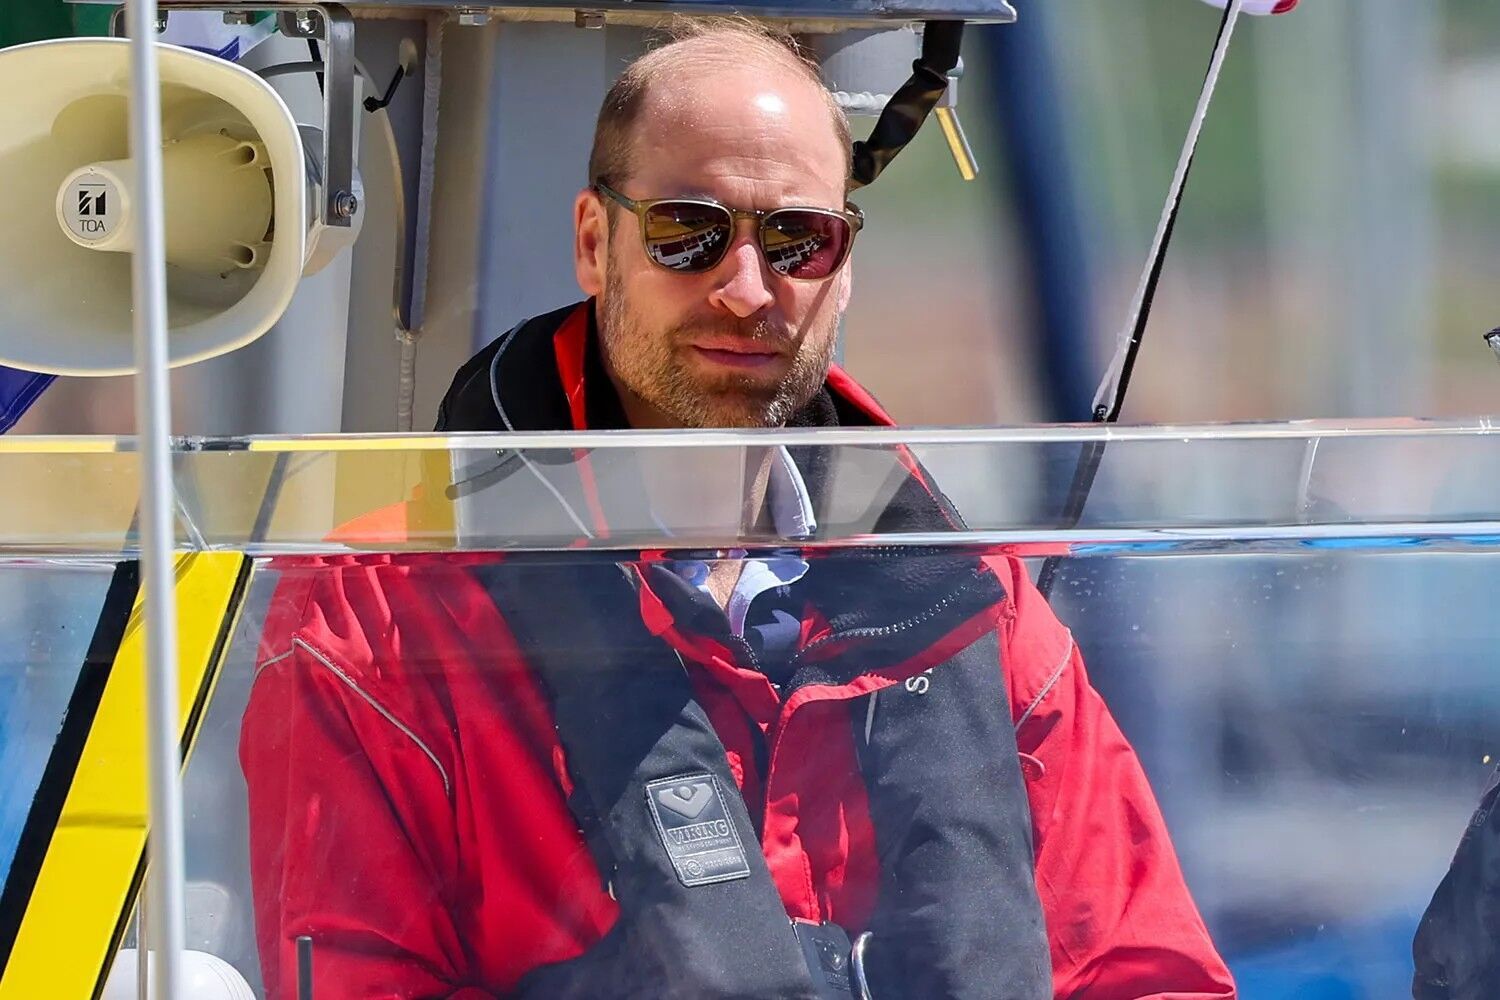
(740, 345)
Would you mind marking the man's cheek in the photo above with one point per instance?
(845, 289)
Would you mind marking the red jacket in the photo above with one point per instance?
(408, 793)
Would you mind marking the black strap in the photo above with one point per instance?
(628, 722)
(958, 914)
(1110, 399)
(909, 107)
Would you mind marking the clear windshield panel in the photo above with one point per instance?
(500, 749)
(624, 489)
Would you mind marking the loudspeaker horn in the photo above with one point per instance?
(236, 206)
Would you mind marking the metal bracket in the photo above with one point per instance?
(472, 17)
(333, 25)
(946, 114)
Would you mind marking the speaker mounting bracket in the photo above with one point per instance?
(333, 26)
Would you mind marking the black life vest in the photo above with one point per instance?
(957, 913)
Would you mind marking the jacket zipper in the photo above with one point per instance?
(758, 742)
(874, 631)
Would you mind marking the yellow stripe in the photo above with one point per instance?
(24, 445)
(88, 879)
(404, 443)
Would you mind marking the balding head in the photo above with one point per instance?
(672, 75)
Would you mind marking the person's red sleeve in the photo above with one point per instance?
(1120, 919)
(333, 786)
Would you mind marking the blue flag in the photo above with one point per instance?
(18, 390)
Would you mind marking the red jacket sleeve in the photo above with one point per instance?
(332, 785)
(1121, 922)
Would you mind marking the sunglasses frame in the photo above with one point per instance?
(852, 216)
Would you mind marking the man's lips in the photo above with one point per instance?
(736, 353)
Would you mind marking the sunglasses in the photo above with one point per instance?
(692, 235)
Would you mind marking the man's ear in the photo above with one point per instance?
(846, 285)
(590, 242)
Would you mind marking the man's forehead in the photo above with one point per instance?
(772, 137)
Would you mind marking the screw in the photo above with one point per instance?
(236, 17)
(161, 22)
(472, 17)
(345, 205)
(592, 19)
(307, 23)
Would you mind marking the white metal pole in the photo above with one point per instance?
(166, 935)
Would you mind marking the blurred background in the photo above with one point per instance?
(1336, 253)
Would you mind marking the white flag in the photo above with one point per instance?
(1260, 6)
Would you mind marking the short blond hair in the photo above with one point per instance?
(717, 40)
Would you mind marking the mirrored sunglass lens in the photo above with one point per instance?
(802, 244)
(686, 236)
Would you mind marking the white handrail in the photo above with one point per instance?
(165, 936)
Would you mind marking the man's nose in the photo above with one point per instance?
(744, 282)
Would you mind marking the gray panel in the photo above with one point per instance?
(547, 84)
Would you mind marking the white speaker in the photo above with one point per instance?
(236, 206)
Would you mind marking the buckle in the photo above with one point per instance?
(858, 980)
(825, 948)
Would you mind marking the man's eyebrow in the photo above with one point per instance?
(689, 191)
(701, 194)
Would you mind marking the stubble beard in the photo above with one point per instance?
(649, 364)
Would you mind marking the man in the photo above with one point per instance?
(550, 777)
